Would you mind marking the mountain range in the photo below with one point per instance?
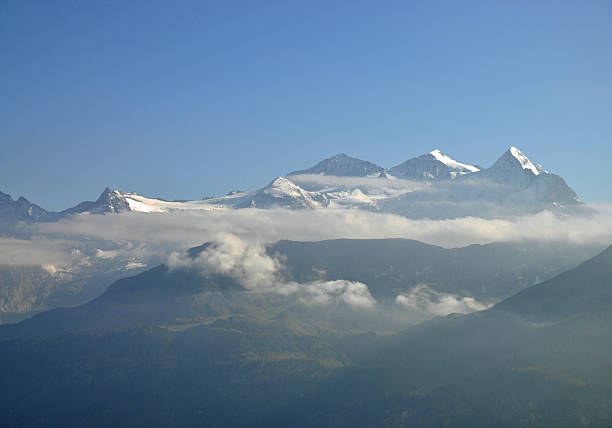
(389, 267)
(432, 185)
(187, 349)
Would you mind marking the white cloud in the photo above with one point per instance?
(229, 255)
(352, 293)
(186, 229)
(431, 302)
(393, 185)
(250, 266)
(141, 237)
(110, 254)
(37, 251)
(50, 269)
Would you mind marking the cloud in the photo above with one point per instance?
(382, 185)
(250, 266)
(184, 229)
(37, 251)
(231, 256)
(352, 293)
(151, 237)
(431, 302)
(93, 243)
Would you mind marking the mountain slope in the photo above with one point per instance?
(583, 290)
(540, 358)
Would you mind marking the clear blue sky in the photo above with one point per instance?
(186, 99)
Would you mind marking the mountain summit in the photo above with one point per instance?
(527, 181)
(524, 161)
(110, 201)
(344, 166)
(514, 164)
(282, 192)
(431, 166)
(20, 210)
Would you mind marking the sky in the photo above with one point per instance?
(183, 100)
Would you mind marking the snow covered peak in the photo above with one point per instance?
(524, 161)
(513, 163)
(451, 163)
(283, 185)
(282, 192)
(432, 166)
(110, 201)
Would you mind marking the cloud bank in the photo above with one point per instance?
(93, 244)
(383, 185)
(144, 236)
(192, 228)
(40, 252)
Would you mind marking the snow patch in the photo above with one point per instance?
(524, 161)
(451, 163)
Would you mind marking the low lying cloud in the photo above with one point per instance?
(133, 240)
(40, 252)
(352, 293)
(151, 237)
(228, 255)
(193, 228)
(393, 185)
(431, 302)
(250, 266)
